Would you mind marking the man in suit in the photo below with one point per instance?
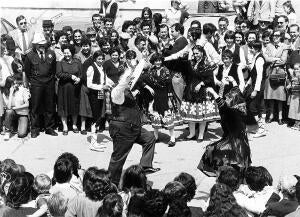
(177, 31)
(22, 36)
(259, 9)
(294, 31)
(40, 69)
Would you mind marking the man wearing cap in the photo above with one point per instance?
(22, 36)
(48, 28)
(40, 68)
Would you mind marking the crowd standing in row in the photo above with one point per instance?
(150, 72)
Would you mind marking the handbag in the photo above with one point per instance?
(277, 77)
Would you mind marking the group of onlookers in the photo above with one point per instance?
(69, 190)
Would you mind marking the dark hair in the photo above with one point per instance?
(85, 41)
(137, 20)
(201, 49)
(189, 183)
(68, 46)
(156, 57)
(134, 176)
(9, 171)
(21, 17)
(255, 179)
(75, 31)
(155, 204)
(97, 54)
(59, 34)
(15, 65)
(99, 185)
(130, 54)
(195, 33)
(209, 28)
(266, 34)
(146, 23)
(242, 34)
(197, 22)
(229, 176)
(223, 203)
(74, 160)
(96, 15)
(238, 20)
(229, 35)
(20, 190)
(90, 172)
(178, 28)
(251, 32)
(136, 203)
(113, 50)
(126, 24)
(223, 19)
(157, 18)
(9, 82)
(266, 174)
(286, 19)
(108, 19)
(146, 9)
(114, 43)
(112, 206)
(281, 35)
(256, 45)
(62, 170)
(294, 25)
(139, 39)
(176, 197)
(227, 53)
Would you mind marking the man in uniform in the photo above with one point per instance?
(40, 69)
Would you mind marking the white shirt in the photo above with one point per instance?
(259, 70)
(172, 15)
(90, 74)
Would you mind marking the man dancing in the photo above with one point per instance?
(125, 128)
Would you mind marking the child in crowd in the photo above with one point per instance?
(41, 185)
(112, 206)
(57, 204)
(294, 87)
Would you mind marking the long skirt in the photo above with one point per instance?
(68, 99)
(294, 111)
(85, 109)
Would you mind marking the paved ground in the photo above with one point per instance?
(279, 152)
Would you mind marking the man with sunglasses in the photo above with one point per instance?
(22, 36)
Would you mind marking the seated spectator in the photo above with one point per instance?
(62, 176)
(190, 184)
(223, 203)
(288, 203)
(155, 203)
(19, 195)
(9, 171)
(96, 185)
(136, 203)
(255, 195)
(133, 178)
(16, 98)
(176, 196)
(112, 206)
(57, 204)
(230, 177)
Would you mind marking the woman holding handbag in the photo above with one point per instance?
(275, 84)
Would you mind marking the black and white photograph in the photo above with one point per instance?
(150, 108)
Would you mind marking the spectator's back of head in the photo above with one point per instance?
(287, 185)
(155, 204)
(57, 204)
(42, 184)
(229, 176)
(255, 179)
(112, 206)
(189, 183)
(134, 177)
(62, 170)
(209, 28)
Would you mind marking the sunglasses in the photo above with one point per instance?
(23, 23)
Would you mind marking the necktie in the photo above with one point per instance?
(24, 42)
(42, 56)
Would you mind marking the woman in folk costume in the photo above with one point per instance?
(196, 105)
(99, 86)
(233, 148)
(160, 80)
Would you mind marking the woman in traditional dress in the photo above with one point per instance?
(160, 80)
(196, 106)
(233, 148)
